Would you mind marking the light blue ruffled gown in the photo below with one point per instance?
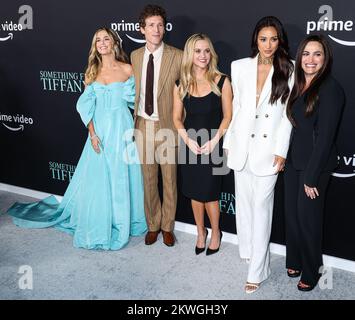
(104, 202)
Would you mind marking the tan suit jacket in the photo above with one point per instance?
(160, 216)
(169, 73)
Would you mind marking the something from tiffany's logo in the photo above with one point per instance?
(227, 203)
(61, 171)
(62, 81)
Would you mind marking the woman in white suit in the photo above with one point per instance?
(257, 141)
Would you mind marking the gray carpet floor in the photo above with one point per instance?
(137, 272)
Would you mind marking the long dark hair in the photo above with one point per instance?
(300, 80)
(283, 66)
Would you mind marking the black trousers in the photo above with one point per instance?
(304, 225)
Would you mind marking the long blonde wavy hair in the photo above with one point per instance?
(95, 59)
(187, 78)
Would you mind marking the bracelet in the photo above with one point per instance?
(94, 136)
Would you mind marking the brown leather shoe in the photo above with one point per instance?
(168, 238)
(151, 237)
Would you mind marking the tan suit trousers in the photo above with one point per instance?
(154, 151)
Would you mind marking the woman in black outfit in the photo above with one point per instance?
(314, 108)
(205, 95)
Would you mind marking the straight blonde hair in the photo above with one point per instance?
(187, 78)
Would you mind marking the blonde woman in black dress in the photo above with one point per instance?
(205, 95)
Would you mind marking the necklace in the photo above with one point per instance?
(265, 60)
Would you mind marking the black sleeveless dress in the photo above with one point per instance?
(200, 179)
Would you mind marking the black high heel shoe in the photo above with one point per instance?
(292, 273)
(200, 250)
(213, 251)
(301, 286)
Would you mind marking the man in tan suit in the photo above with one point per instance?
(156, 67)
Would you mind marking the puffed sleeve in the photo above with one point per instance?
(86, 104)
(129, 92)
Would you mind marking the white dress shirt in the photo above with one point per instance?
(157, 54)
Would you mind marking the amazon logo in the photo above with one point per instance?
(15, 122)
(127, 28)
(327, 23)
(25, 22)
(346, 168)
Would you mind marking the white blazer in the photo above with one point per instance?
(258, 132)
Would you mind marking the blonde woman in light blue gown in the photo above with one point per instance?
(103, 204)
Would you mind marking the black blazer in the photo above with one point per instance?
(312, 146)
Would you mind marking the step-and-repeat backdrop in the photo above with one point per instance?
(43, 53)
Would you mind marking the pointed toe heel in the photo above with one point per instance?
(200, 250)
(213, 251)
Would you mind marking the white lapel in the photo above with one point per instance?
(266, 88)
(251, 83)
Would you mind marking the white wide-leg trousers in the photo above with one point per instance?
(254, 203)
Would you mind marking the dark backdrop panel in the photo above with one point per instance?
(41, 70)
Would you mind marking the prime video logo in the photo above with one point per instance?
(124, 26)
(326, 23)
(348, 165)
(25, 22)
